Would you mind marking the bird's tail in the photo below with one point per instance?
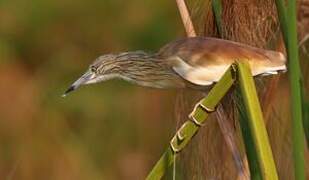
(276, 63)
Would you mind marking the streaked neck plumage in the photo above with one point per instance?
(139, 68)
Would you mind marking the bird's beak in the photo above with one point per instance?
(87, 78)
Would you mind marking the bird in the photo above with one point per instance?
(193, 62)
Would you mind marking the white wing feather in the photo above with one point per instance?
(206, 76)
(203, 76)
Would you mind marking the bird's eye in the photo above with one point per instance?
(93, 69)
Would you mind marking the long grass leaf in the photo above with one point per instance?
(296, 98)
(282, 15)
(217, 9)
(256, 122)
(255, 171)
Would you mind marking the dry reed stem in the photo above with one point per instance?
(223, 120)
(248, 21)
(303, 19)
(186, 20)
(230, 138)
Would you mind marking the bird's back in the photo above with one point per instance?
(193, 56)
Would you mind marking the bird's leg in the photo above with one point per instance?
(229, 136)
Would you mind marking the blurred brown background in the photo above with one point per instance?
(112, 130)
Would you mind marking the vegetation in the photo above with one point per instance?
(259, 152)
(190, 127)
(116, 130)
(200, 114)
(287, 16)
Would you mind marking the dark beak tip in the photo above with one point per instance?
(72, 88)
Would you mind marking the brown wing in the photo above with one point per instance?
(203, 60)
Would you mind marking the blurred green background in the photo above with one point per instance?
(111, 130)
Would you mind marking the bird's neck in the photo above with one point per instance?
(145, 69)
(134, 56)
(134, 61)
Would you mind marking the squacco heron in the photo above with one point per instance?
(193, 63)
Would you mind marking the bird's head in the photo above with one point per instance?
(132, 66)
(102, 69)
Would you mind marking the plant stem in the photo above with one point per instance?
(186, 20)
(296, 101)
(217, 9)
(256, 122)
(190, 128)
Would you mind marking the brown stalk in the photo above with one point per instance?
(186, 20)
(230, 139)
(223, 120)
